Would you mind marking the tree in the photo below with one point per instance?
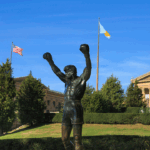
(124, 101)
(86, 98)
(62, 109)
(134, 96)
(7, 94)
(98, 104)
(30, 99)
(113, 93)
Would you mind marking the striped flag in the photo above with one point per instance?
(17, 49)
(102, 30)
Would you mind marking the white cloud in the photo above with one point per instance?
(116, 74)
(56, 15)
(143, 58)
(134, 64)
(124, 84)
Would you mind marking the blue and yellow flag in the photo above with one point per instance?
(102, 30)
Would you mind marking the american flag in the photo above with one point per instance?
(17, 49)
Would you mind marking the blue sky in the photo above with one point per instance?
(60, 27)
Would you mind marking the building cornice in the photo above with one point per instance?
(20, 79)
(140, 77)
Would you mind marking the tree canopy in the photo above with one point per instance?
(113, 93)
(7, 94)
(86, 98)
(30, 99)
(134, 96)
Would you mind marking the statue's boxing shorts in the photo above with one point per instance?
(73, 113)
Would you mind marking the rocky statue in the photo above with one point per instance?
(74, 90)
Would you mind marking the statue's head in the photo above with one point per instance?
(70, 71)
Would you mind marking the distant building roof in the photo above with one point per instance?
(24, 77)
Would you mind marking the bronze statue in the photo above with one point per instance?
(74, 90)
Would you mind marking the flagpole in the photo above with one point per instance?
(11, 54)
(97, 56)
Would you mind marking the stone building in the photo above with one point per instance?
(144, 85)
(52, 99)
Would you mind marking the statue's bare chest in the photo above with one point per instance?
(71, 88)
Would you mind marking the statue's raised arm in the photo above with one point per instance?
(84, 48)
(55, 69)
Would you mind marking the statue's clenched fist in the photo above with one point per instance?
(84, 48)
(47, 56)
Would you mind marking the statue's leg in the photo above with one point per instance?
(77, 121)
(77, 134)
(66, 130)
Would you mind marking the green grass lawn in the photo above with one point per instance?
(94, 137)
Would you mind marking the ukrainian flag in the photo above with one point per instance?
(102, 30)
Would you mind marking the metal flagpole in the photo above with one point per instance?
(11, 53)
(97, 56)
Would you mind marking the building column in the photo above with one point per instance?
(143, 92)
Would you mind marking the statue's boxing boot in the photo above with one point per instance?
(68, 145)
(77, 143)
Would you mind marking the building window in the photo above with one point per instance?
(47, 111)
(54, 103)
(59, 106)
(48, 102)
